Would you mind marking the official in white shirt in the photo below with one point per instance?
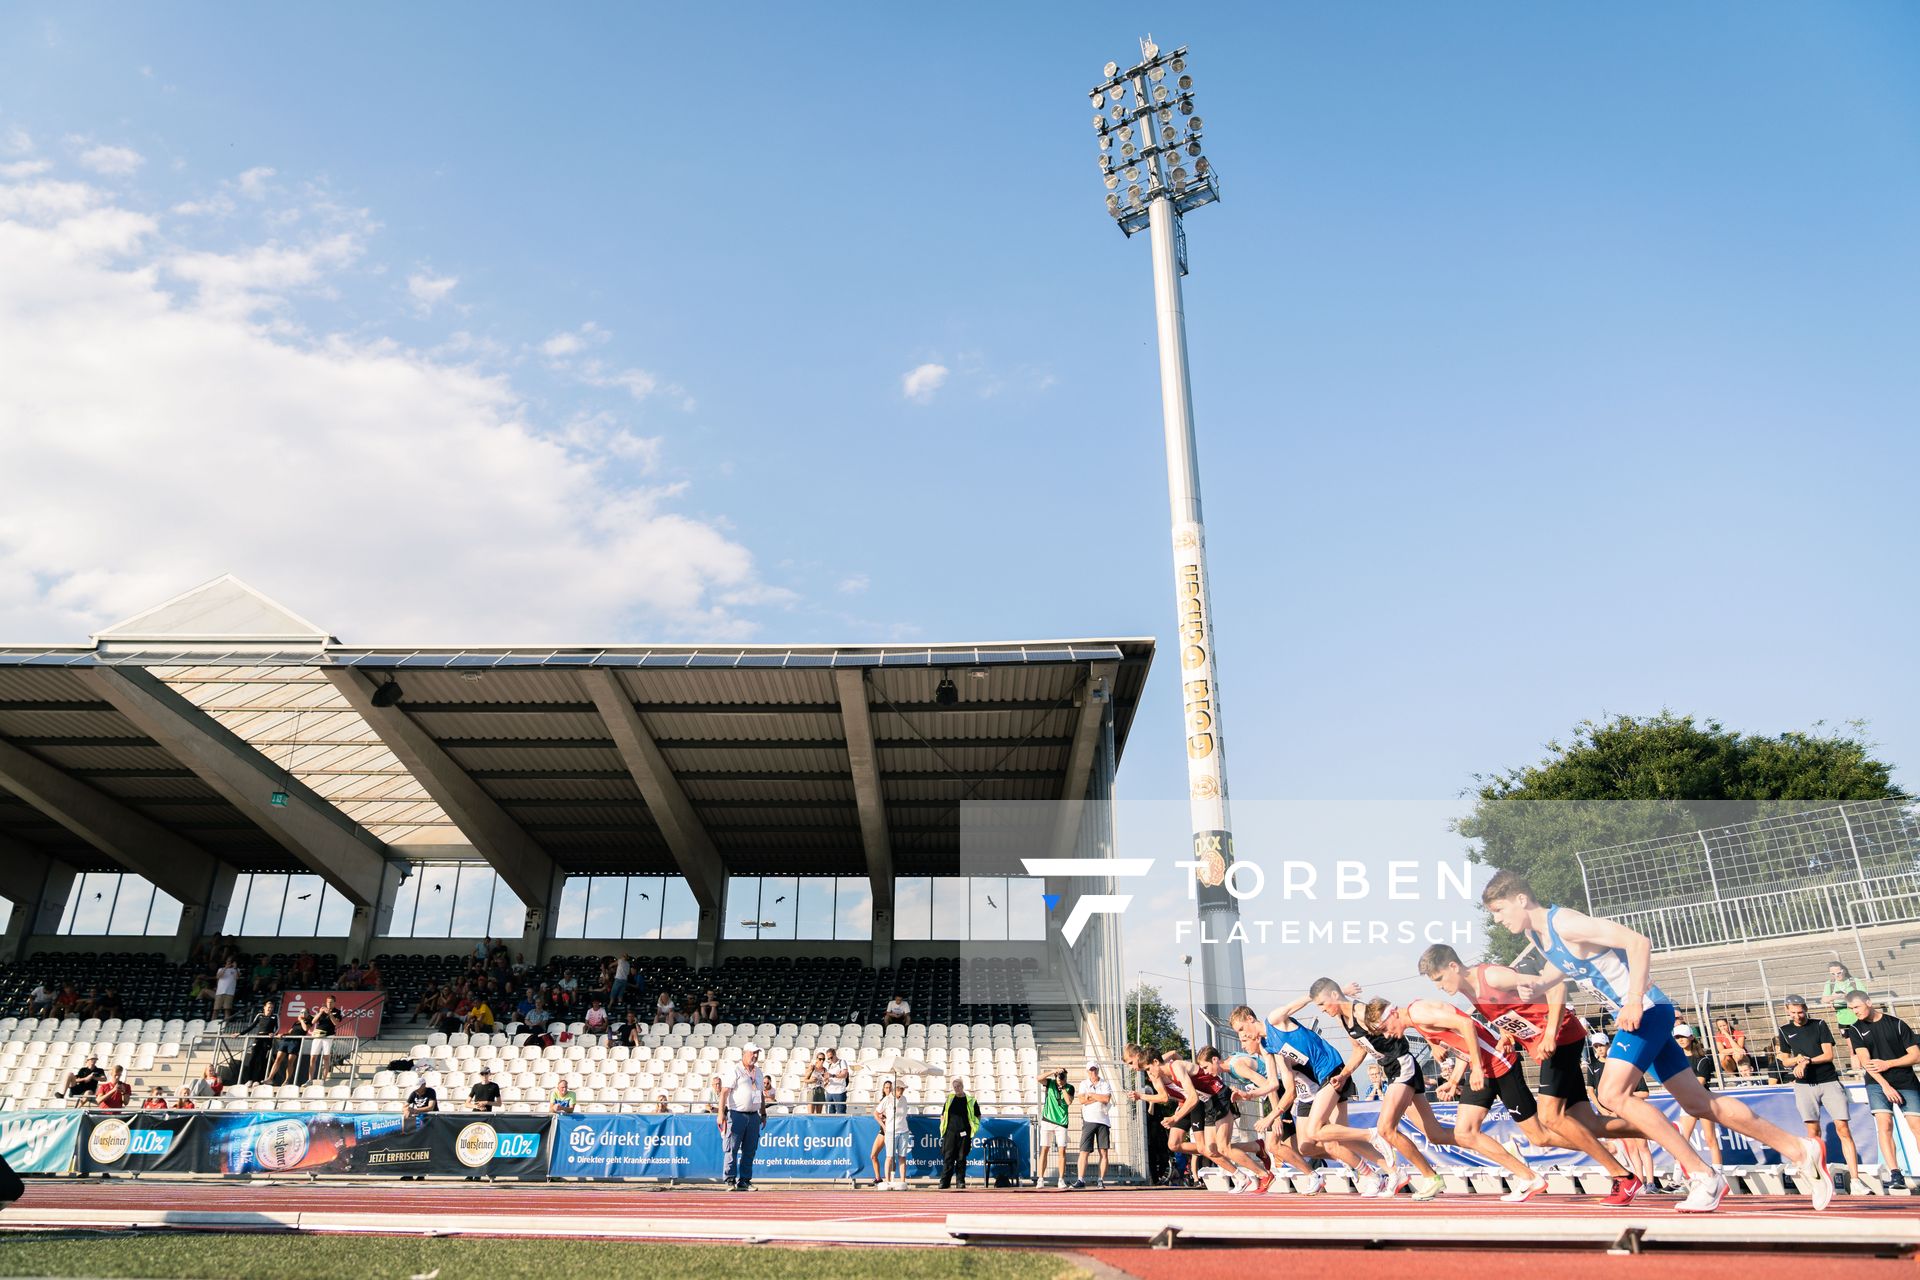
(741, 1096)
(1096, 1124)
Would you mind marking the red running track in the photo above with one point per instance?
(1430, 1264)
(825, 1204)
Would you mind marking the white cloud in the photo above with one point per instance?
(428, 291)
(154, 442)
(217, 205)
(18, 169)
(561, 346)
(854, 583)
(253, 183)
(113, 162)
(16, 140)
(922, 381)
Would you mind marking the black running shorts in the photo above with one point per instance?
(1563, 1076)
(1510, 1089)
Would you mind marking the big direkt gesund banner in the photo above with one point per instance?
(268, 1143)
(1770, 1102)
(39, 1141)
(689, 1147)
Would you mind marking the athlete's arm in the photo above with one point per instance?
(1351, 1065)
(1638, 948)
(1549, 1039)
(1282, 1017)
(1155, 1092)
(1187, 1087)
(1269, 1083)
(1450, 1086)
(1431, 1013)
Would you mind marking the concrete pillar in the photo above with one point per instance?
(706, 947)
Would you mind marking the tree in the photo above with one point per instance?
(1151, 1022)
(1662, 775)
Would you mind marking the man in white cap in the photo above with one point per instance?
(1096, 1121)
(741, 1097)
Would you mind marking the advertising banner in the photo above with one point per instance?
(458, 1144)
(39, 1141)
(360, 1011)
(816, 1147)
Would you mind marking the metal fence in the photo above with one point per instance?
(1839, 866)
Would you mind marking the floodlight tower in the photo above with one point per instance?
(1151, 161)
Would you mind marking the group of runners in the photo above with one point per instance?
(1310, 1081)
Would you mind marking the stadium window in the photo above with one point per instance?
(6, 913)
(433, 916)
(912, 908)
(606, 900)
(853, 910)
(681, 916)
(814, 913)
(454, 900)
(626, 907)
(646, 900)
(987, 907)
(570, 917)
(273, 905)
(949, 909)
(118, 903)
(1026, 909)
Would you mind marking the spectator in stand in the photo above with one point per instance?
(1730, 1047)
(423, 1099)
(561, 1101)
(285, 1065)
(709, 1009)
(320, 1031)
(1885, 1048)
(815, 1083)
(115, 1093)
(622, 975)
(109, 1005)
(156, 1101)
(1806, 1053)
(208, 1085)
(85, 1082)
(184, 1102)
(429, 1004)
(479, 1017)
(666, 1010)
(520, 965)
(898, 1011)
(351, 978)
(42, 998)
(260, 1036)
(838, 1075)
(596, 1018)
(370, 979)
(485, 1094)
(306, 969)
(226, 984)
(1835, 994)
(265, 976)
(67, 1001)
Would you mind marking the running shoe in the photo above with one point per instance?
(1388, 1157)
(1814, 1169)
(1704, 1194)
(1316, 1183)
(1260, 1186)
(1402, 1175)
(1525, 1191)
(1079, 1184)
(1428, 1188)
(1624, 1190)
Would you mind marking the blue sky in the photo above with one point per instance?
(1549, 361)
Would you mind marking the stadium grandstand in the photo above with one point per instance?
(768, 837)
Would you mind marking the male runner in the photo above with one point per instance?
(1614, 962)
(1163, 1088)
(1567, 1119)
(1323, 1079)
(1489, 1073)
(1253, 1073)
(1201, 1103)
(1402, 1086)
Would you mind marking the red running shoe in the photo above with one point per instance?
(1624, 1190)
(1260, 1186)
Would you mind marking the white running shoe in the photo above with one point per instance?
(1704, 1194)
(1402, 1175)
(1429, 1187)
(1813, 1168)
(1316, 1183)
(1525, 1191)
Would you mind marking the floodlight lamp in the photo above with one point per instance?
(1179, 64)
(1115, 94)
(1186, 106)
(1167, 135)
(1111, 70)
(1119, 113)
(1133, 196)
(1193, 148)
(946, 693)
(1106, 143)
(388, 694)
(1157, 74)
(1160, 93)
(1201, 166)
(1113, 205)
(1127, 148)
(1186, 84)
(1113, 183)
(1106, 164)
(1193, 124)
(1097, 99)
(1100, 123)
(1165, 116)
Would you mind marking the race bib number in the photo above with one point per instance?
(1516, 1026)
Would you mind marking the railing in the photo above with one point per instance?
(1783, 913)
(220, 1046)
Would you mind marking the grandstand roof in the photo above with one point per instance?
(790, 759)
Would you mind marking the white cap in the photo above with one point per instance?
(750, 1047)
(1093, 1066)
(1683, 1030)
